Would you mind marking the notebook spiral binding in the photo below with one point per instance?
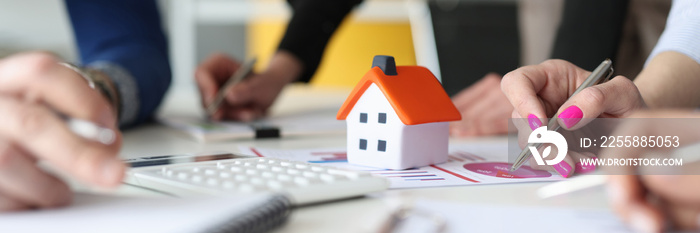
(261, 218)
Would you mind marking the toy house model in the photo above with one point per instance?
(397, 117)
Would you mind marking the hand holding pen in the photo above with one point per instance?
(539, 92)
(232, 91)
(51, 115)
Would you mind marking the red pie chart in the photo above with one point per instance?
(502, 170)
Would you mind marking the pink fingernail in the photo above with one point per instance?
(534, 121)
(563, 168)
(581, 169)
(571, 115)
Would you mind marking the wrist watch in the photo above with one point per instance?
(99, 81)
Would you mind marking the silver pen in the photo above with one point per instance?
(236, 78)
(599, 75)
(90, 130)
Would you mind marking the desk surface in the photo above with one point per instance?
(341, 216)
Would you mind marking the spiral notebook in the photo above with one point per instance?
(101, 213)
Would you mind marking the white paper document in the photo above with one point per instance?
(462, 217)
(288, 125)
(467, 165)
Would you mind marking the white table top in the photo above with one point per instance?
(355, 215)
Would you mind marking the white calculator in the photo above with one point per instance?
(226, 174)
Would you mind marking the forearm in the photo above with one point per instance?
(124, 40)
(311, 26)
(670, 80)
(672, 73)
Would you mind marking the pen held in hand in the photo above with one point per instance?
(90, 130)
(236, 78)
(601, 74)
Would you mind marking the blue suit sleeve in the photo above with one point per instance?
(125, 40)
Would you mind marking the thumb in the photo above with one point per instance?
(618, 98)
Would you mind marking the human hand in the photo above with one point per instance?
(251, 98)
(485, 109)
(32, 87)
(541, 91)
(654, 202)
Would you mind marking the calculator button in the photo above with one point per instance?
(301, 166)
(246, 188)
(251, 172)
(293, 172)
(224, 175)
(310, 174)
(257, 181)
(327, 177)
(276, 169)
(212, 182)
(196, 178)
(286, 164)
(247, 164)
(301, 181)
(182, 175)
(349, 174)
(318, 169)
(283, 177)
(169, 173)
(228, 185)
(236, 169)
(196, 170)
(210, 172)
(275, 185)
(267, 174)
(241, 178)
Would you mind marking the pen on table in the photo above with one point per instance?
(90, 130)
(599, 75)
(236, 78)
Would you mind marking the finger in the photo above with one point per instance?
(41, 133)
(220, 66)
(38, 75)
(521, 86)
(618, 97)
(628, 199)
(212, 74)
(22, 180)
(537, 91)
(207, 85)
(9, 204)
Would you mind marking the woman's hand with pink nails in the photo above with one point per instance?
(540, 92)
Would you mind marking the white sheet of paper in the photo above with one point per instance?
(289, 125)
(467, 165)
(461, 217)
(104, 213)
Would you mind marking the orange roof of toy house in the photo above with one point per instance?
(415, 94)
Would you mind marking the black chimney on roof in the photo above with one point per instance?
(386, 63)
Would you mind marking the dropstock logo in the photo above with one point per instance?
(542, 135)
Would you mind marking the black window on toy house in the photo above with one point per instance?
(363, 117)
(382, 118)
(363, 144)
(381, 146)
